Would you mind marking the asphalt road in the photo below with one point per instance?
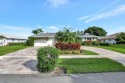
(118, 77)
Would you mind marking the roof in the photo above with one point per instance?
(88, 35)
(12, 36)
(112, 36)
(44, 35)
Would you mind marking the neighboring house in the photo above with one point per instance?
(3, 40)
(44, 39)
(47, 39)
(88, 37)
(109, 39)
(10, 39)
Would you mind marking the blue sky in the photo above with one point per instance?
(20, 17)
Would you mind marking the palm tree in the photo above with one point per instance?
(67, 36)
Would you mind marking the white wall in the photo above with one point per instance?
(44, 42)
(3, 42)
(92, 39)
(111, 41)
(15, 40)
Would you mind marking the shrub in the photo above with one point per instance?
(69, 51)
(30, 42)
(90, 43)
(76, 51)
(95, 43)
(63, 46)
(47, 59)
(17, 43)
(120, 42)
(104, 44)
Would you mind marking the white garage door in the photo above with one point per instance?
(40, 42)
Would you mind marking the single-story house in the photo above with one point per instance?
(10, 39)
(88, 37)
(44, 39)
(3, 40)
(109, 39)
(47, 39)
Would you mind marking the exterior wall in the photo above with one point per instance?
(90, 39)
(111, 41)
(44, 42)
(15, 40)
(3, 42)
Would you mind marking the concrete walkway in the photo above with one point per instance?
(119, 57)
(118, 77)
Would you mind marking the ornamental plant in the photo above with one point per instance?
(47, 59)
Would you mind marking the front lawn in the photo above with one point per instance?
(117, 48)
(90, 65)
(86, 52)
(9, 49)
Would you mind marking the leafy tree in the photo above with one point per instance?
(67, 36)
(36, 31)
(120, 37)
(98, 31)
(1, 36)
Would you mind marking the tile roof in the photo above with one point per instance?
(44, 35)
(112, 36)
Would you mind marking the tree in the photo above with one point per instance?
(121, 37)
(36, 31)
(98, 31)
(67, 36)
(1, 36)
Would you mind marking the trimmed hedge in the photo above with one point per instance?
(69, 51)
(17, 43)
(104, 44)
(47, 59)
(63, 46)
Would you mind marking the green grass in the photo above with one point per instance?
(117, 48)
(86, 52)
(90, 65)
(9, 49)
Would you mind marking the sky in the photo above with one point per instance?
(20, 17)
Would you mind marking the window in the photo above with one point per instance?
(12, 39)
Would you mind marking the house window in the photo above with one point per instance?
(12, 39)
(109, 39)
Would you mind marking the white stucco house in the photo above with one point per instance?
(88, 37)
(10, 39)
(47, 39)
(109, 39)
(44, 39)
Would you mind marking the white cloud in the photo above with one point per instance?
(13, 27)
(54, 4)
(101, 15)
(118, 10)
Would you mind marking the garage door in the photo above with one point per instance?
(42, 42)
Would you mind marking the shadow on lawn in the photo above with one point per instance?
(31, 64)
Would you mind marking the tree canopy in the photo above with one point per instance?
(1, 36)
(36, 31)
(120, 37)
(67, 36)
(98, 31)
